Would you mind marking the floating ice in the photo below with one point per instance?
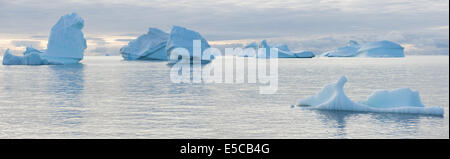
(66, 38)
(66, 45)
(283, 51)
(150, 46)
(381, 49)
(30, 50)
(282, 47)
(252, 45)
(332, 97)
(304, 54)
(31, 58)
(395, 98)
(348, 51)
(184, 38)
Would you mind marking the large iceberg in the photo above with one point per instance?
(184, 38)
(332, 97)
(381, 49)
(150, 46)
(283, 51)
(348, 51)
(66, 45)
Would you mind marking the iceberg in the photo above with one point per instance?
(30, 58)
(184, 38)
(252, 45)
(381, 49)
(150, 46)
(282, 47)
(283, 51)
(66, 45)
(404, 100)
(304, 54)
(350, 50)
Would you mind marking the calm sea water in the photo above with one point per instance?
(106, 97)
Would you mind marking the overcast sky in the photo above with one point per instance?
(421, 26)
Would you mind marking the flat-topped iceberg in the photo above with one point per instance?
(150, 46)
(381, 49)
(66, 45)
(186, 39)
(348, 51)
(332, 97)
(304, 54)
(283, 51)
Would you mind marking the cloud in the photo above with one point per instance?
(124, 40)
(26, 43)
(304, 24)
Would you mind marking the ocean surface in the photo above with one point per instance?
(106, 97)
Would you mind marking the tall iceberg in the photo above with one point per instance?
(381, 49)
(332, 97)
(347, 51)
(184, 38)
(66, 45)
(150, 46)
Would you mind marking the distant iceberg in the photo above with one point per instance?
(381, 49)
(252, 45)
(66, 45)
(150, 46)
(406, 101)
(184, 38)
(283, 51)
(304, 54)
(350, 50)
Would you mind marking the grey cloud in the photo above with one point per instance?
(124, 40)
(309, 21)
(26, 43)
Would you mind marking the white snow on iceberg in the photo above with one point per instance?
(332, 97)
(184, 38)
(381, 49)
(66, 45)
(348, 51)
(150, 46)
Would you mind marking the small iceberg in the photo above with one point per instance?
(304, 54)
(184, 38)
(381, 49)
(350, 50)
(283, 51)
(404, 100)
(29, 58)
(66, 45)
(150, 46)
